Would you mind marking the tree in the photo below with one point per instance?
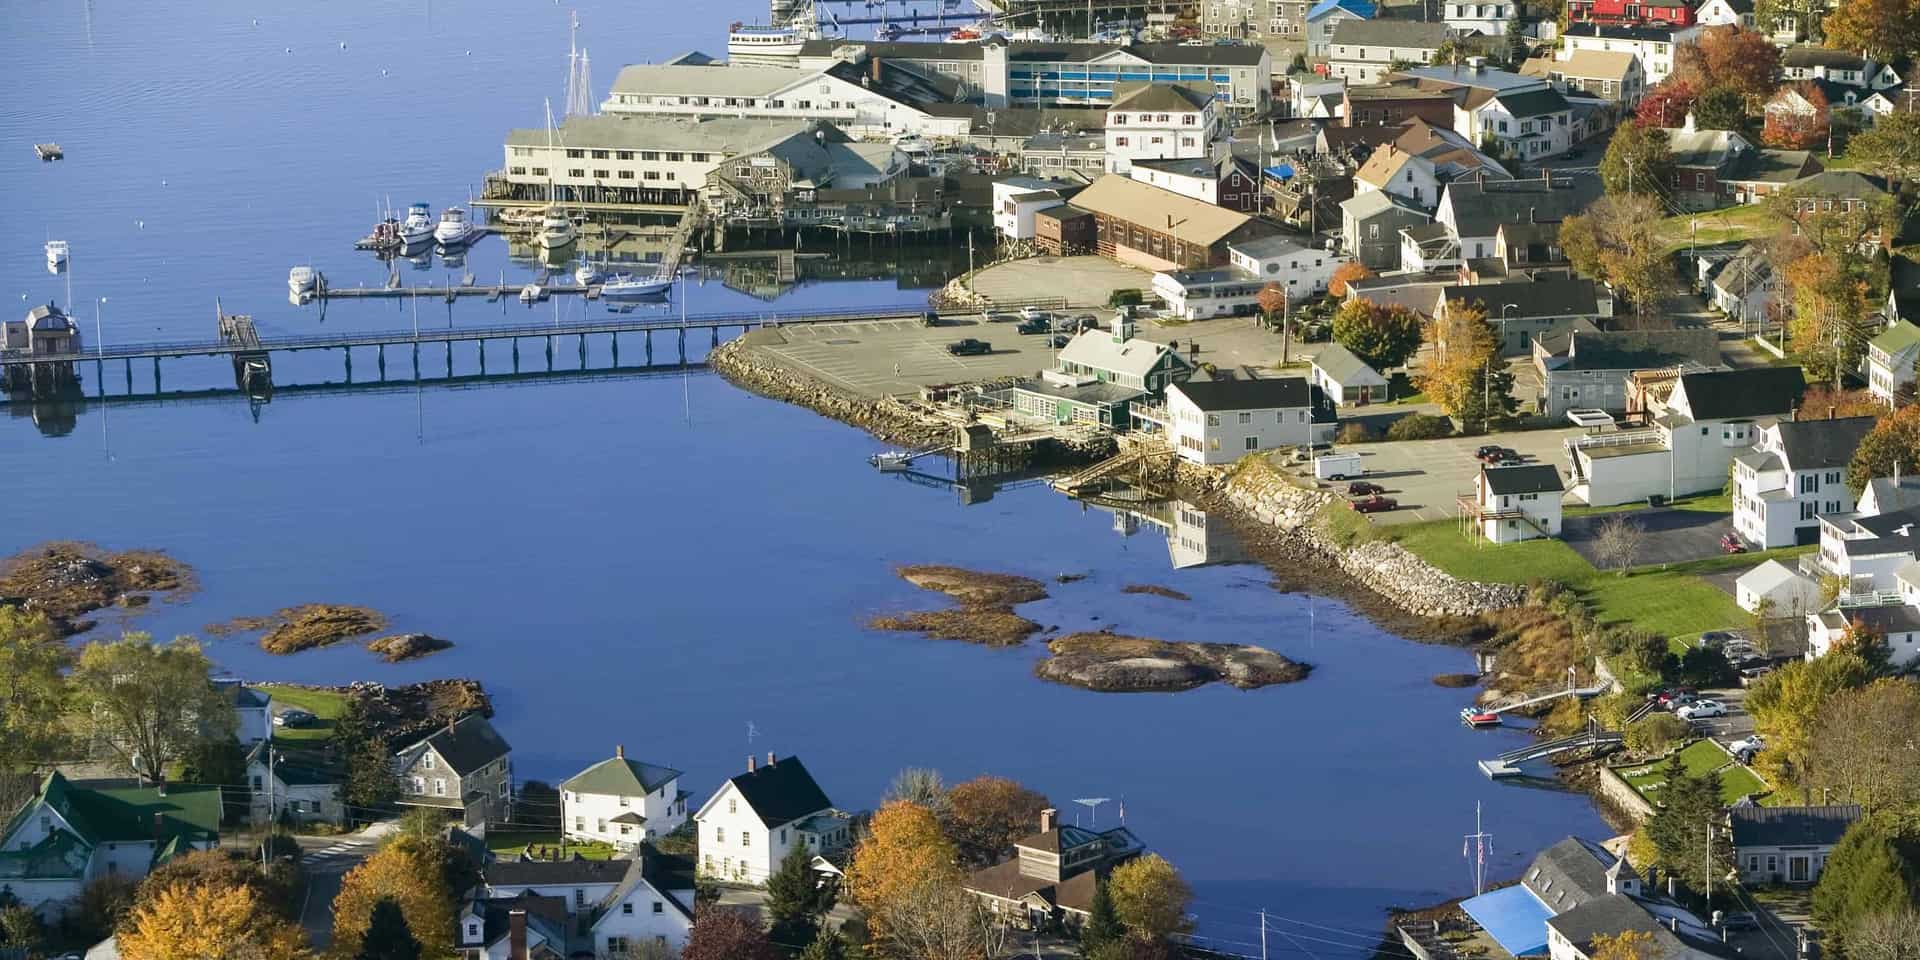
(796, 900)
(720, 933)
(1637, 161)
(34, 696)
(1830, 306)
(902, 849)
(1625, 945)
(1861, 746)
(1821, 402)
(828, 945)
(1891, 146)
(1888, 935)
(225, 869)
(1617, 240)
(1892, 445)
(1873, 870)
(1617, 541)
(411, 873)
(104, 902)
(1347, 273)
(388, 937)
(1150, 897)
(1882, 29)
(1729, 56)
(1863, 640)
(206, 921)
(1459, 375)
(150, 703)
(371, 785)
(987, 814)
(1689, 809)
(1790, 128)
(1665, 105)
(223, 762)
(20, 928)
(1272, 299)
(918, 785)
(1384, 336)
(1787, 705)
(1656, 733)
(937, 919)
(1722, 108)
(1833, 229)
(1103, 924)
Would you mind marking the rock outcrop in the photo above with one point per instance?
(1114, 663)
(407, 646)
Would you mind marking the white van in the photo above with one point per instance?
(1338, 466)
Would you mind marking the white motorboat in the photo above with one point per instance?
(556, 230)
(454, 228)
(761, 45)
(586, 275)
(626, 286)
(892, 461)
(532, 292)
(56, 255)
(417, 228)
(301, 283)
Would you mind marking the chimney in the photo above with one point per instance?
(1829, 411)
(619, 751)
(770, 760)
(1046, 819)
(749, 763)
(517, 934)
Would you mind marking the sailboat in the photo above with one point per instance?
(556, 229)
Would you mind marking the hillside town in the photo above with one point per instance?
(1588, 334)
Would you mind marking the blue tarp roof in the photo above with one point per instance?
(1513, 917)
(1359, 8)
(1283, 171)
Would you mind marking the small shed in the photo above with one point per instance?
(1794, 594)
(1063, 230)
(1346, 378)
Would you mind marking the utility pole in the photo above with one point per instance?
(270, 817)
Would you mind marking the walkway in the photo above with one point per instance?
(326, 860)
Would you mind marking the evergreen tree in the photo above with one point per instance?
(1103, 924)
(1689, 808)
(828, 945)
(1874, 869)
(796, 899)
(388, 937)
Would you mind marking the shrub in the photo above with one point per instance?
(1354, 431)
(1655, 733)
(1420, 426)
(1125, 298)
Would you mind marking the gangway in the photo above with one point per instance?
(1529, 699)
(897, 461)
(1594, 738)
(1075, 482)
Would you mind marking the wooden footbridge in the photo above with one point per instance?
(252, 354)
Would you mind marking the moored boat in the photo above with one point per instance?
(417, 228)
(556, 230)
(57, 251)
(627, 286)
(454, 228)
(1479, 719)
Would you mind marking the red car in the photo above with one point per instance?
(1730, 543)
(1374, 504)
(1361, 488)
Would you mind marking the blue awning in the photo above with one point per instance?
(1513, 917)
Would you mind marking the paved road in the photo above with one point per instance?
(326, 860)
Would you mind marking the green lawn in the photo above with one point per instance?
(1442, 544)
(325, 705)
(1718, 226)
(1698, 757)
(546, 843)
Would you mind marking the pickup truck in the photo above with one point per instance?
(969, 347)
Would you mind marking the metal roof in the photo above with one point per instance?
(1183, 218)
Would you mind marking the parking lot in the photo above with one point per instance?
(1426, 475)
(1668, 536)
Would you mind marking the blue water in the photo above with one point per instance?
(650, 561)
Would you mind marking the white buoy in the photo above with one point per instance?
(343, 44)
(163, 182)
(256, 21)
(289, 49)
(383, 73)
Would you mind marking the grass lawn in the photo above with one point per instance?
(1442, 544)
(1696, 758)
(1718, 226)
(545, 844)
(325, 705)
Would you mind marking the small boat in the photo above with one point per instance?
(385, 237)
(964, 35)
(521, 218)
(417, 229)
(301, 284)
(585, 274)
(765, 45)
(454, 229)
(532, 292)
(1479, 719)
(888, 32)
(56, 255)
(556, 230)
(629, 287)
(892, 461)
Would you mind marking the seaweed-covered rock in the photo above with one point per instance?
(1115, 663)
(318, 625)
(407, 646)
(974, 586)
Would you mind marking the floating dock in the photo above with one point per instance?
(48, 151)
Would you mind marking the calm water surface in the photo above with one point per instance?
(653, 560)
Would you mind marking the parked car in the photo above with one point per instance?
(1061, 339)
(1734, 922)
(1730, 543)
(1086, 321)
(293, 718)
(1374, 504)
(1492, 452)
(1672, 694)
(1034, 313)
(1702, 710)
(998, 316)
(1744, 749)
(1716, 639)
(969, 347)
(1361, 488)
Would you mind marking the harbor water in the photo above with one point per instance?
(647, 558)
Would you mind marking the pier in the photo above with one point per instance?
(251, 353)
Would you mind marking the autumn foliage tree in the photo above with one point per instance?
(1666, 105)
(210, 921)
(1150, 897)
(1792, 125)
(1464, 370)
(1883, 29)
(1347, 273)
(903, 849)
(1384, 336)
(1893, 443)
(723, 933)
(1891, 147)
(1862, 746)
(1830, 306)
(1617, 240)
(1729, 56)
(1787, 706)
(987, 814)
(410, 872)
(1272, 299)
(1637, 160)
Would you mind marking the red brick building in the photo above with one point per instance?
(1387, 105)
(1629, 13)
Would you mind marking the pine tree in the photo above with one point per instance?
(796, 899)
(827, 945)
(388, 937)
(1103, 924)
(1689, 808)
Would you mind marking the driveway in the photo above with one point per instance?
(1669, 536)
(1426, 475)
(326, 860)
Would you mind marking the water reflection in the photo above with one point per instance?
(1195, 537)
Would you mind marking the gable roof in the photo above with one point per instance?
(619, 776)
(1585, 64)
(1806, 56)
(1898, 338)
(1640, 349)
(1614, 914)
(1193, 221)
(1822, 444)
(1573, 868)
(1374, 202)
(642, 871)
(1703, 148)
(575, 870)
(1738, 394)
(1545, 297)
(1526, 478)
(467, 745)
(1279, 392)
(1479, 207)
(1096, 349)
(1401, 34)
(1358, 8)
(1768, 165)
(1344, 367)
(1531, 103)
(128, 814)
(781, 792)
(1790, 826)
(1840, 183)
(1137, 95)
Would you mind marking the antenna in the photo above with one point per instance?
(1478, 845)
(752, 731)
(1093, 807)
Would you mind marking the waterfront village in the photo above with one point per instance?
(1584, 333)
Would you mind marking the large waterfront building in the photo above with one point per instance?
(636, 160)
(841, 95)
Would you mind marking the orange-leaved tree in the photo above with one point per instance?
(209, 921)
(903, 850)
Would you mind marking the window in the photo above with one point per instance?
(539, 171)
(732, 806)
(600, 825)
(439, 787)
(419, 786)
(600, 154)
(676, 157)
(626, 174)
(1253, 443)
(1119, 141)
(720, 834)
(746, 839)
(649, 154)
(426, 761)
(602, 174)
(579, 897)
(1246, 417)
(623, 154)
(1213, 419)
(626, 909)
(659, 907)
(578, 173)
(580, 823)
